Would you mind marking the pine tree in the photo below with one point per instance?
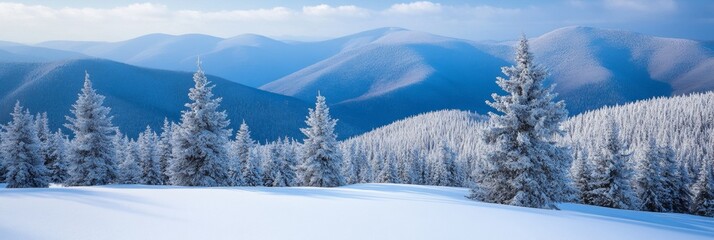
(91, 152)
(57, 157)
(149, 158)
(164, 152)
(287, 164)
(388, 173)
(321, 160)
(583, 177)
(443, 169)
(199, 142)
(21, 151)
(703, 191)
(271, 168)
(648, 183)
(245, 164)
(670, 177)
(130, 168)
(683, 196)
(611, 178)
(43, 133)
(526, 167)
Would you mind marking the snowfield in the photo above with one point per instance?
(363, 211)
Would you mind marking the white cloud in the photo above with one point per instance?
(327, 10)
(642, 5)
(415, 8)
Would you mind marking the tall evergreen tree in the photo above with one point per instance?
(91, 152)
(703, 190)
(388, 173)
(670, 177)
(149, 158)
(164, 151)
(648, 183)
(21, 150)
(581, 173)
(287, 164)
(443, 168)
(683, 196)
(199, 141)
(271, 168)
(526, 167)
(130, 168)
(321, 160)
(611, 179)
(243, 148)
(57, 157)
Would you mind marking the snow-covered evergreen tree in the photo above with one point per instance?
(682, 193)
(703, 191)
(199, 142)
(271, 168)
(670, 177)
(91, 152)
(526, 167)
(149, 158)
(130, 168)
(321, 160)
(582, 175)
(648, 182)
(20, 149)
(163, 148)
(245, 162)
(43, 133)
(388, 173)
(287, 164)
(443, 169)
(611, 177)
(56, 159)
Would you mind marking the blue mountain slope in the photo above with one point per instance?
(140, 96)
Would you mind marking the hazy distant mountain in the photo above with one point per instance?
(16, 52)
(378, 76)
(140, 96)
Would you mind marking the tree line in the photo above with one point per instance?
(646, 156)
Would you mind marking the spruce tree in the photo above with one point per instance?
(287, 164)
(149, 158)
(164, 151)
(526, 167)
(388, 173)
(130, 168)
(271, 168)
(611, 179)
(683, 196)
(648, 183)
(321, 160)
(443, 168)
(581, 172)
(670, 177)
(57, 157)
(247, 164)
(20, 148)
(703, 191)
(91, 152)
(199, 142)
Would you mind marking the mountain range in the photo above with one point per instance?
(375, 77)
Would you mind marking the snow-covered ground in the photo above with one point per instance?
(364, 211)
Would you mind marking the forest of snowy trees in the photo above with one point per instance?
(653, 155)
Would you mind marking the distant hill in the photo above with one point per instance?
(140, 96)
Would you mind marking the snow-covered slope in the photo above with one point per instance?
(140, 96)
(398, 73)
(365, 211)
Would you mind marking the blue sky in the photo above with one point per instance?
(42, 20)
